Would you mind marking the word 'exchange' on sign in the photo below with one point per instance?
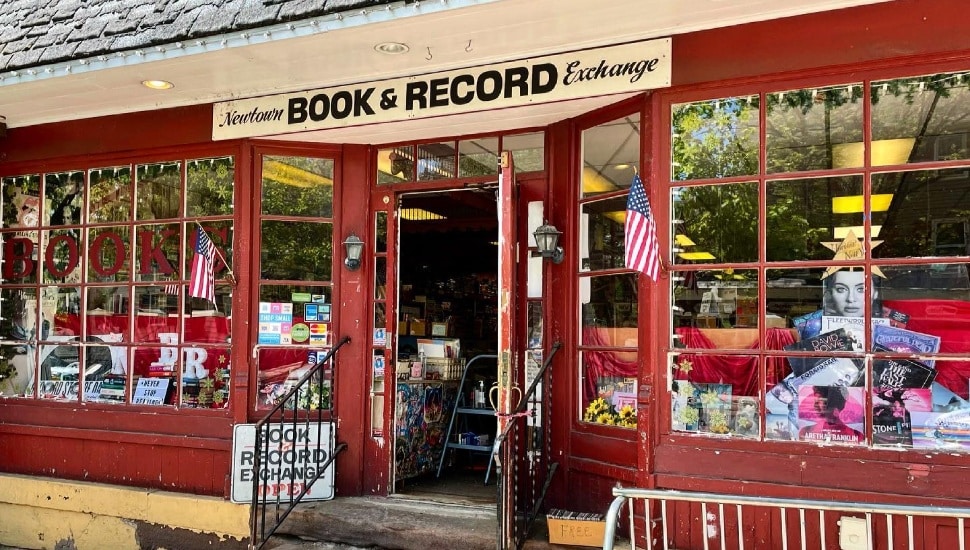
(596, 72)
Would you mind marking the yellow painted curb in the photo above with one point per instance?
(28, 498)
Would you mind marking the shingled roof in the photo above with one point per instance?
(35, 33)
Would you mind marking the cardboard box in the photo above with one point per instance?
(417, 328)
(576, 532)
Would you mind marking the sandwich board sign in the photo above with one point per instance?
(295, 455)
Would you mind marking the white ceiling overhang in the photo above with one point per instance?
(332, 51)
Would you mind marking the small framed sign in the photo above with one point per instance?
(150, 391)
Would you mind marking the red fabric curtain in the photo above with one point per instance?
(602, 363)
(738, 370)
(950, 320)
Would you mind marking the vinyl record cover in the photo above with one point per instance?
(892, 410)
(836, 340)
(831, 414)
(905, 341)
(901, 373)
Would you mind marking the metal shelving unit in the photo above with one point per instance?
(462, 409)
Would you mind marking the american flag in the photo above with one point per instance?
(202, 282)
(642, 247)
(172, 289)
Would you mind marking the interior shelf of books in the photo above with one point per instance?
(826, 379)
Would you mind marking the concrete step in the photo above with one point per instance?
(398, 524)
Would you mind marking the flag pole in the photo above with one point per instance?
(231, 277)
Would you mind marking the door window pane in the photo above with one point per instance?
(611, 155)
(296, 251)
(297, 186)
(601, 232)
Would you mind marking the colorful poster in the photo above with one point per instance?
(275, 323)
(853, 327)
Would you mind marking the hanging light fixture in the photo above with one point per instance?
(547, 241)
(353, 247)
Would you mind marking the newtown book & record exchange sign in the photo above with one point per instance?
(618, 69)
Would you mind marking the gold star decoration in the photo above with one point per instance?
(850, 248)
(685, 366)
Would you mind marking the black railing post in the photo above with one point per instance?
(303, 403)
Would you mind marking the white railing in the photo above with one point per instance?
(725, 522)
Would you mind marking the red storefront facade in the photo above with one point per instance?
(763, 125)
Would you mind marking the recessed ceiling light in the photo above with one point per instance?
(392, 48)
(157, 84)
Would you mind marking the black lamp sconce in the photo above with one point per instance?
(353, 247)
(547, 241)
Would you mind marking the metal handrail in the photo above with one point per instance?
(288, 412)
(529, 505)
(630, 495)
(524, 401)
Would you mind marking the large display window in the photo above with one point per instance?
(819, 280)
(116, 287)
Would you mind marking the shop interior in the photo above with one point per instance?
(447, 339)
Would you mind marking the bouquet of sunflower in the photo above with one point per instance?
(600, 411)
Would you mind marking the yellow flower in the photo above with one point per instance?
(595, 408)
(606, 418)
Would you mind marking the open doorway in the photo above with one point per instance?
(444, 424)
